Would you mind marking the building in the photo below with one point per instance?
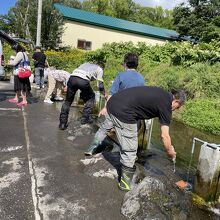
(89, 31)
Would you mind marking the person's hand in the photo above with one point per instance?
(65, 89)
(106, 96)
(171, 152)
(103, 112)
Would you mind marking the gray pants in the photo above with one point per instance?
(127, 136)
(39, 76)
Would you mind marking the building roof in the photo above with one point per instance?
(91, 18)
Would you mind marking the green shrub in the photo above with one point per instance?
(202, 114)
(66, 60)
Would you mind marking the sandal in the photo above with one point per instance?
(20, 104)
(14, 100)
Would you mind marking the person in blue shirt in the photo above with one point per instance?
(124, 80)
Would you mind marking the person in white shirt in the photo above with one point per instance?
(80, 79)
(57, 80)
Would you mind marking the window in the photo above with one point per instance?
(85, 45)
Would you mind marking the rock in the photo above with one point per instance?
(141, 201)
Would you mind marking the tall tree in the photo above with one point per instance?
(200, 19)
(21, 20)
(153, 16)
(129, 10)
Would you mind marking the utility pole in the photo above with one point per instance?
(39, 15)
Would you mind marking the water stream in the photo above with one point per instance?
(182, 139)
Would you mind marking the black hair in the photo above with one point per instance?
(101, 64)
(179, 95)
(131, 60)
(18, 48)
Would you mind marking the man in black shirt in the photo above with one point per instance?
(39, 64)
(128, 106)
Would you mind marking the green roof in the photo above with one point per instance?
(91, 18)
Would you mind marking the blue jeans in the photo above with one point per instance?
(39, 76)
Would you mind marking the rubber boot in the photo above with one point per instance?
(127, 174)
(86, 120)
(92, 147)
(63, 126)
(63, 123)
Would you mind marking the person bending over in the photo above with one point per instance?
(128, 106)
(80, 80)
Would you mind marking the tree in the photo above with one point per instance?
(21, 21)
(153, 16)
(98, 6)
(199, 20)
(129, 10)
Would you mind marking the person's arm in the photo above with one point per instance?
(17, 59)
(167, 141)
(104, 110)
(115, 85)
(114, 89)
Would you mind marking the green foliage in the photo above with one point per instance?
(202, 114)
(200, 20)
(129, 10)
(196, 70)
(187, 54)
(21, 20)
(66, 60)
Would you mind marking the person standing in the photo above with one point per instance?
(128, 106)
(80, 80)
(57, 80)
(21, 85)
(39, 63)
(124, 80)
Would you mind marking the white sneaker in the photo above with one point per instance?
(58, 98)
(48, 101)
(37, 87)
(34, 86)
(42, 86)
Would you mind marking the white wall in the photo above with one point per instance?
(98, 35)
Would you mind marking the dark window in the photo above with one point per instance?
(83, 44)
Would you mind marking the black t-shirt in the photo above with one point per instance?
(40, 59)
(144, 102)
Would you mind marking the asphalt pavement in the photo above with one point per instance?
(42, 169)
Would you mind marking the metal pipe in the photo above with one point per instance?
(203, 142)
(193, 149)
(39, 15)
(150, 134)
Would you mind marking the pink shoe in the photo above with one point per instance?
(20, 104)
(14, 100)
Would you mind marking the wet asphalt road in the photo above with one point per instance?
(41, 175)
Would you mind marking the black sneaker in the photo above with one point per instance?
(63, 126)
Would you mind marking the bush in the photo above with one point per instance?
(202, 114)
(66, 60)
